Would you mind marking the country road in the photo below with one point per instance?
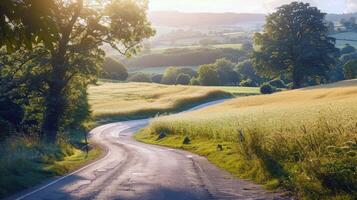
(131, 170)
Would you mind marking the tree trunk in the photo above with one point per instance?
(297, 79)
(55, 106)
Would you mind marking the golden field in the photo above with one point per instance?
(144, 99)
(301, 140)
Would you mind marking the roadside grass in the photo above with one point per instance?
(125, 101)
(304, 141)
(26, 162)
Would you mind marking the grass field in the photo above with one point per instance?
(303, 140)
(219, 46)
(348, 36)
(137, 100)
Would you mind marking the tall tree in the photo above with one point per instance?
(295, 42)
(83, 28)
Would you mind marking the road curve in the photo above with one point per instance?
(135, 171)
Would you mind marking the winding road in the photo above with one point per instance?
(131, 170)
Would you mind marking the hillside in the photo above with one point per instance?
(202, 19)
(137, 100)
(285, 140)
(181, 19)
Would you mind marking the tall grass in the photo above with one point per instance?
(27, 161)
(138, 100)
(303, 140)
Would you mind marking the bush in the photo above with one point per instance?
(194, 81)
(350, 69)
(172, 73)
(347, 49)
(208, 75)
(183, 79)
(156, 78)
(113, 69)
(247, 83)
(278, 83)
(140, 77)
(266, 88)
(347, 57)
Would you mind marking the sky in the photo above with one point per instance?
(247, 6)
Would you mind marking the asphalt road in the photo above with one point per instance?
(135, 171)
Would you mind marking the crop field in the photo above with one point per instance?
(136, 100)
(302, 140)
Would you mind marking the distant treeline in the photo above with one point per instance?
(186, 57)
(218, 19)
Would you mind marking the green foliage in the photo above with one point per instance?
(156, 78)
(266, 88)
(23, 25)
(194, 81)
(208, 76)
(347, 49)
(183, 79)
(347, 57)
(278, 83)
(247, 83)
(246, 70)
(187, 57)
(295, 42)
(350, 69)
(172, 74)
(113, 69)
(140, 77)
(226, 73)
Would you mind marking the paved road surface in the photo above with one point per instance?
(135, 171)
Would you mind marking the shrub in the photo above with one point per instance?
(278, 83)
(247, 83)
(156, 78)
(348, 49)
(266, 88)
(350, 69)
(113, 69)
(208, 75)
(140, 77)
(172, 73)
(347, 57)
(183, 79)
(194, 81)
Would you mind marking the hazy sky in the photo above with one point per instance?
(247, 6)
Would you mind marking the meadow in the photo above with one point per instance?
(345, 36)
(121, 101)
(303, 141)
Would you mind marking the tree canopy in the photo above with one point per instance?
(63, 47)
(295, 42)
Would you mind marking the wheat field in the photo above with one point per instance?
(143, 99)
(302, 140)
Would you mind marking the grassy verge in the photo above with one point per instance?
(304, 141)
(125, 101)
(27, 162)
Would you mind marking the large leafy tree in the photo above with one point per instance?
(74, 32)
(25, 22)
(295, 43)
